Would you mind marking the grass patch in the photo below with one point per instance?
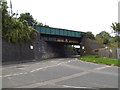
(97, 59)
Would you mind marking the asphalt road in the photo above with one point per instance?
(59, 73)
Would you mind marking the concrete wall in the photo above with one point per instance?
(45, 50)
(41, 50)
(90, 45)
(16, 52)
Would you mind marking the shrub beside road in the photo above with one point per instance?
(97, 59)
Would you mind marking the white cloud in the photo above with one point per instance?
(80, 15)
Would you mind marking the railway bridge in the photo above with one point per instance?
(58, 35)
(59, 39)
(51, 43)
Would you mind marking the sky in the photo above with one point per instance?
(78, 15)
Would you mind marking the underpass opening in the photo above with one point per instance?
(57, 42)
(67, 50)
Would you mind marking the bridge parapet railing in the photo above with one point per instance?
(57, 31)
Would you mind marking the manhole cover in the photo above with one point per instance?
(19, 66)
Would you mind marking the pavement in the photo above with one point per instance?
(59, 73)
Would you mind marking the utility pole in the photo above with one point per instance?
(119, 12)
(11, 11)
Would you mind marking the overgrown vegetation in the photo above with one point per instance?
(105, 38)
(97, 59)
(27, 17)
(70, 47)
(14, 29)
(108, 40)
(20, 29)
(89, 35)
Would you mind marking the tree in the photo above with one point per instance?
(89, 35)
(29, 18)
(39, 24)
(14, 30)
(46, 25)
(6, 19)
(106, 41)
(103, 34)
(103, 37)
(116, 27)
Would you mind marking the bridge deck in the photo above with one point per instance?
(59, 35)
(57, 31)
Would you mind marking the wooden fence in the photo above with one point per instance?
(109, 53)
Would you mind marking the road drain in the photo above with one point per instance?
(19, 66)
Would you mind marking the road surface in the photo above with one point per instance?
(59, 73)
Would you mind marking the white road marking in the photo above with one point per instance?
(51, 66)
(89, 62)
(100, 68)
(53, 81)
(21, 73)
(7, 76)
(60, 79)
(36, 70)
(15, 74)
(75, 87)
(95, 63)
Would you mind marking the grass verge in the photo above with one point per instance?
(97, 59)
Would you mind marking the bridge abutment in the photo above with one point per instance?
(46, 50)
(40, 50)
